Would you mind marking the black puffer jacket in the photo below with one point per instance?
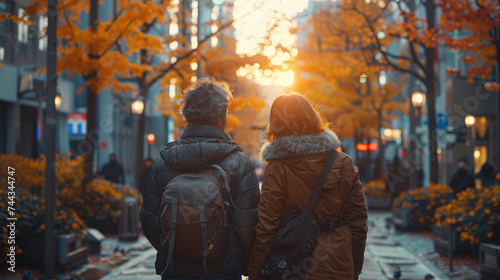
(199, 147)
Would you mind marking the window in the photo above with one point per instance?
(22, 29)
(6, 8)
(42, 34)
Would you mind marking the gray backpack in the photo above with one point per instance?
(195, 217)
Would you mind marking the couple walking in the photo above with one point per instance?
(205, 215)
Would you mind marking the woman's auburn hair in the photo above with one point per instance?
(292, 114)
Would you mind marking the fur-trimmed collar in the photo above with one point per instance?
(299, 146)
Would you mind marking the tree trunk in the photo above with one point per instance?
(431, 96)
(91, 137)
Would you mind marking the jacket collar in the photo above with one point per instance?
(204, 131)
(293, 146)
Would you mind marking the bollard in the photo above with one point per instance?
(128, 228)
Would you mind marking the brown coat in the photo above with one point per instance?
(294, 164)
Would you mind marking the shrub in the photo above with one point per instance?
(101, 207)
(29, 211)
(376, 188)
(421, 203)
(475, 214)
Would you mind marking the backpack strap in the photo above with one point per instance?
(321, 181)
(171, 245)
(226, 184)
(204, 236)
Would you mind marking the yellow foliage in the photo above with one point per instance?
(473, 213)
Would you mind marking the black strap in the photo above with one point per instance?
(204, 236)
(320, 182)
(332, 224)
(173, 225)
(226, 184)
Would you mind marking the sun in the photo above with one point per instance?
(251, 30)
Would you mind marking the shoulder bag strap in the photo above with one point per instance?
(321, 181)
(226, 184)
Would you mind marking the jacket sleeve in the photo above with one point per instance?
(246, 200)
(270, 209)
(356, 214)
(149, 213)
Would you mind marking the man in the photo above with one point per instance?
(203, 144)
(462, 179)
(113, 171)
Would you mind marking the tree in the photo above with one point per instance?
(478, 23)
(348, 87)
(381, 29)
(100, 51)
(103, 52)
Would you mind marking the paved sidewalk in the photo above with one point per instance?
(420, 244)
(383, 255)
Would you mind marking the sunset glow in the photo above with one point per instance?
(252, 30)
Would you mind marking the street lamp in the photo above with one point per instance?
(470, 120)
(151, 141)
(137, 107)
(58, 101)
(362, 78)
(418, 100)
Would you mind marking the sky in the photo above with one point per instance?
(251, 27)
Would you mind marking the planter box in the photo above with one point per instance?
(442, 240)
(400, 218)
(71, 251)
(378, 202)
(489, 257)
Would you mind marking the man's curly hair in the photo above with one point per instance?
(205, 100)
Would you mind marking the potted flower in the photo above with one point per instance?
(416, 208)
(475, 217)
(376, 195)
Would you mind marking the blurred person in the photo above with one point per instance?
(202, 145)
(298, 144)
(420, 176)
(113, 171)
(397, 179)
(144, 173)
(462, 179)
(487, 175)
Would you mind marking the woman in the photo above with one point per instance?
(297, 148)
(487, 175)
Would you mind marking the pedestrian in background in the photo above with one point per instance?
(113, 171)
(298, 144)
(462, 179)
(144, 173)
(202, 145)
(397, 179)
(487, 175)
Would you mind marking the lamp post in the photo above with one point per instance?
(50, 123)
(469, 123)
(417, 101)
(151, 141)
(137, 110)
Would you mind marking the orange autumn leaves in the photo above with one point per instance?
(478, 25)
(107, 49)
